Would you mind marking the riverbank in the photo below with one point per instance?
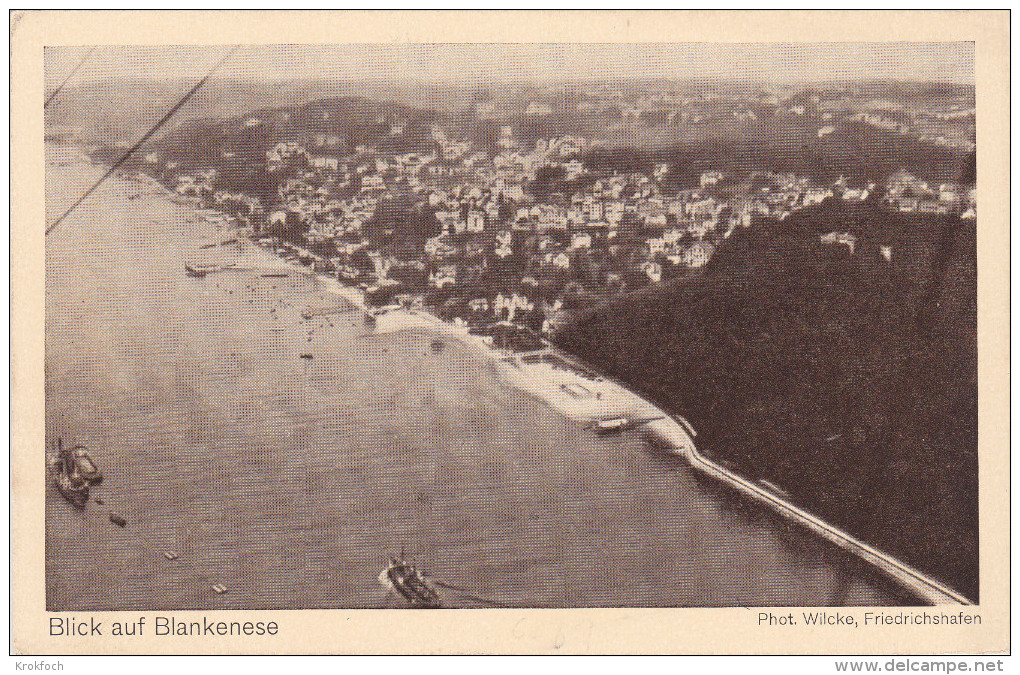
(557, 379)
(583, 394)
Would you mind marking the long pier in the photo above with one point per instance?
(919, 584)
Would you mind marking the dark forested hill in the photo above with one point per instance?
(119, 109)
(848, 379)
(353, 119)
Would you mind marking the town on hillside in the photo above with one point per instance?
(504, 225)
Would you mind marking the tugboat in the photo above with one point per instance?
(84, 465)
(69, 481)
(407, 580)
(74, 488)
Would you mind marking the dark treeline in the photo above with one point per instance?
(847, 379)
(354, 120)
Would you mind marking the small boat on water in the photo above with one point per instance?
(214, 244)
(199, 271)
(71, 484)
(611, 425)
(74, 488)
(404, 578)
(84, 465)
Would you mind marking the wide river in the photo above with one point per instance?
(291, 480)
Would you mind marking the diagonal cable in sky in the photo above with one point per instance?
(68, 78)
(144, 138)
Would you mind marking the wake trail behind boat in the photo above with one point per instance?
(467, 593)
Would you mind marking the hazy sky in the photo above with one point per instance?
(485, 62)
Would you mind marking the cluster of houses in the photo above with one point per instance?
(919, 125)
(908, 194)
(497, 251)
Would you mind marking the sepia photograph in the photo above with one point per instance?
(510, 325)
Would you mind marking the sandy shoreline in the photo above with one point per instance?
(573, 389)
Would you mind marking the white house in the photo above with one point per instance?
(855, 195)
(372, 182)
(702, 208)
(653, 270)
(841, 239)
(574, 168)
(511, 304)
(331, 163)
(816, 196)
(540, 109)
(711, 178)
(655, 245)
(580, 240)
(656, 220)
(445, 275)
(698, 254)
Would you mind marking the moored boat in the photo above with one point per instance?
(71, 484)
(74, 488)
(85, 466)
(404, 578)
(197, 270)
(609, 425)
(201, 269)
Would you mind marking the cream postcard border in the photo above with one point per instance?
(502, 631)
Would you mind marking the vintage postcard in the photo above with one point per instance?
(576, 332)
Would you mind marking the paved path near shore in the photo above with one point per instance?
(291, 480)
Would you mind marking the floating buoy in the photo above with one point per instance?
(117, 519)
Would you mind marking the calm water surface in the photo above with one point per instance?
(291, 480)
